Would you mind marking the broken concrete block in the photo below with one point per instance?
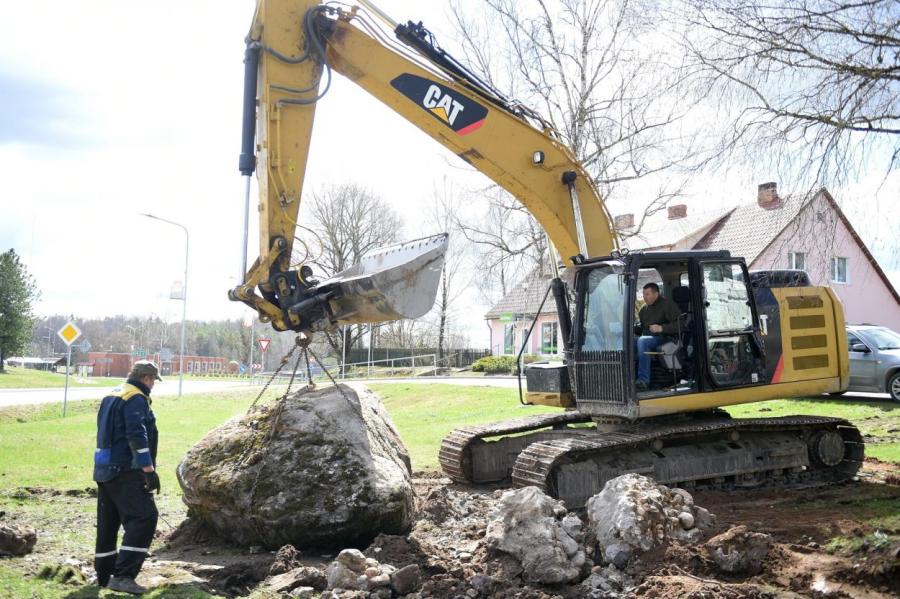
(633, 514)
(739, 551)
(528, 525)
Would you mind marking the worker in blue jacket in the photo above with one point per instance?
(125, 472)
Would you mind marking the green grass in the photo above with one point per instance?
(424, 414)
(58, 452)
(26, 378)
(13, 584)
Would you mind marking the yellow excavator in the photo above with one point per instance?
(741, 336)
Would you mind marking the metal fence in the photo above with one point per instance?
(452, 358)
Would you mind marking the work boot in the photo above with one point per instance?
(125, 584)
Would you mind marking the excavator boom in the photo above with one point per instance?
(299, 45)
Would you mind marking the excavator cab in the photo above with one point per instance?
(713, 344)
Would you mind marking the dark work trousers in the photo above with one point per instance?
(123, 501)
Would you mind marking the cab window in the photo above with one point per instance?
(732, 352)
(727, 301)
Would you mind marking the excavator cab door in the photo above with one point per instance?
(733, 353)
(601, 359)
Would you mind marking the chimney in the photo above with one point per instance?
(677, 211)
(767, 196)
(624, 221)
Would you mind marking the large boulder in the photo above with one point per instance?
(633, 514)
(319, 468)
(539, 532)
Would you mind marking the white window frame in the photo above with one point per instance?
(792, 260)
(834, 270)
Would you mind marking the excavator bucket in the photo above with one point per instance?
(390, 283)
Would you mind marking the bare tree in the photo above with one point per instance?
(584, 65)
(442, 218)
(346, 222)
(510, 241)
(405, 334)
(811, 86)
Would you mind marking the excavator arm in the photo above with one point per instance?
(294, 48)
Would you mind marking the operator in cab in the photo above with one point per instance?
(658, 321)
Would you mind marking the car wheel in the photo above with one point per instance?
(893, 387)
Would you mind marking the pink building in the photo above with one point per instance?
(511, 318)
(811, 234)
(808, 233)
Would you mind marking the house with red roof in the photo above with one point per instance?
(804, 232)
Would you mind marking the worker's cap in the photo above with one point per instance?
(144, 368)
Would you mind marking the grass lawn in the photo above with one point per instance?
(54, 452)
(25, 378)
(57, 452)
(424, 414)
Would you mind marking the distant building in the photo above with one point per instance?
(48, 364)
(119, 364)
(808, 233)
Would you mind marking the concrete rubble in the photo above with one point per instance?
(539, 532)
(633, 514)
(739, 551)
(320, 468)
(353, 571)
(606, 582)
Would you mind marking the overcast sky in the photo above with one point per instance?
(113, 108)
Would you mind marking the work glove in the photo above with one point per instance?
(151, 482)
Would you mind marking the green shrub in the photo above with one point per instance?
(499, 364)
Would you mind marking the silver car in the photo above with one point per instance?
(874, 360)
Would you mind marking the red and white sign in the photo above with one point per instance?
(263, 344)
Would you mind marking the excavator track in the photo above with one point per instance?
(457, 449)
(719, 453)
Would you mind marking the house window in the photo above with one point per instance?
(548, 337)
(797, 260)
(839, 270)
(508, 338)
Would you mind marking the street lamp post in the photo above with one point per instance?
(187, 241)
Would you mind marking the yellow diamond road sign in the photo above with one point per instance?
(69, 333)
